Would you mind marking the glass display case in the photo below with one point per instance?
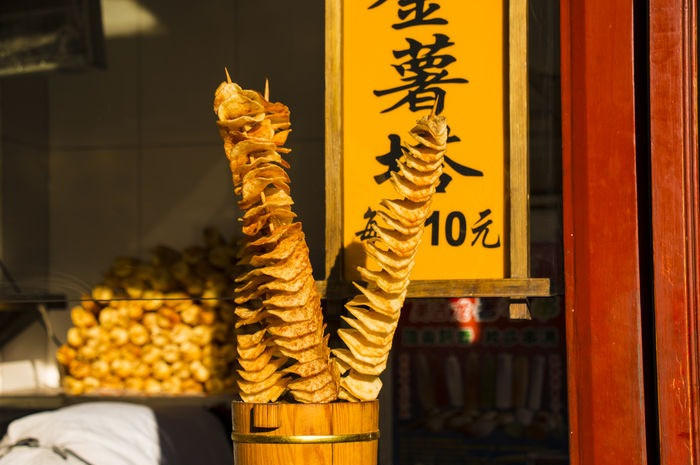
(118, 178)
(117, 212)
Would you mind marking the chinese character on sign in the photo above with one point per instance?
(465, 336)
(424, 73)
(447, 336)
(368, 232)
(529, 336)
(446, 179)
(427, 337)
(415, 13)
(389, 159)
(409, 337)
(492, 336)
(481, 230)
(549, 337)
(510, 337)
(396, 151)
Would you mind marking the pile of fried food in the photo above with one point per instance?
(158, 326)
(281, 345)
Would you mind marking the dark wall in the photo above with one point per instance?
(24, 125)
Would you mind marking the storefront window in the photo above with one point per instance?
(105, 172)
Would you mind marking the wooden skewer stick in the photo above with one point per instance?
(228, 77)
(434, 109)
(270, 224)
(266, 96)
(272, 229)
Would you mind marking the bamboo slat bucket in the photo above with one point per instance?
(341, 433)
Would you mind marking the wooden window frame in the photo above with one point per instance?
(517, 282)
(608, 421)
(601, 244)
(675, 200)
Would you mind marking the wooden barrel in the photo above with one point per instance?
(341, 433)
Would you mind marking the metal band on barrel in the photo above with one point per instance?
(252, 438)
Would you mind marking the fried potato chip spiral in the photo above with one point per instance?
(375, 312)
(278, 313)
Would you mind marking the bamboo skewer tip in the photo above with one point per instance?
(267, 89)
(228, 76)
(435, 105)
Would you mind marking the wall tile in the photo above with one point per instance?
(285, 42)
(307, 176)
(180, 70)
(188, 188)
(24, 209)
(25, 215)
(94, 217)
(184, 190)
(97, 108)
(24, 111)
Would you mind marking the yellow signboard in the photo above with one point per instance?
(398, 58)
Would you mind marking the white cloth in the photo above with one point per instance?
(102, 433)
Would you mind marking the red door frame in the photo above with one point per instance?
(601, 248)
(676, 222)
(605, 371)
